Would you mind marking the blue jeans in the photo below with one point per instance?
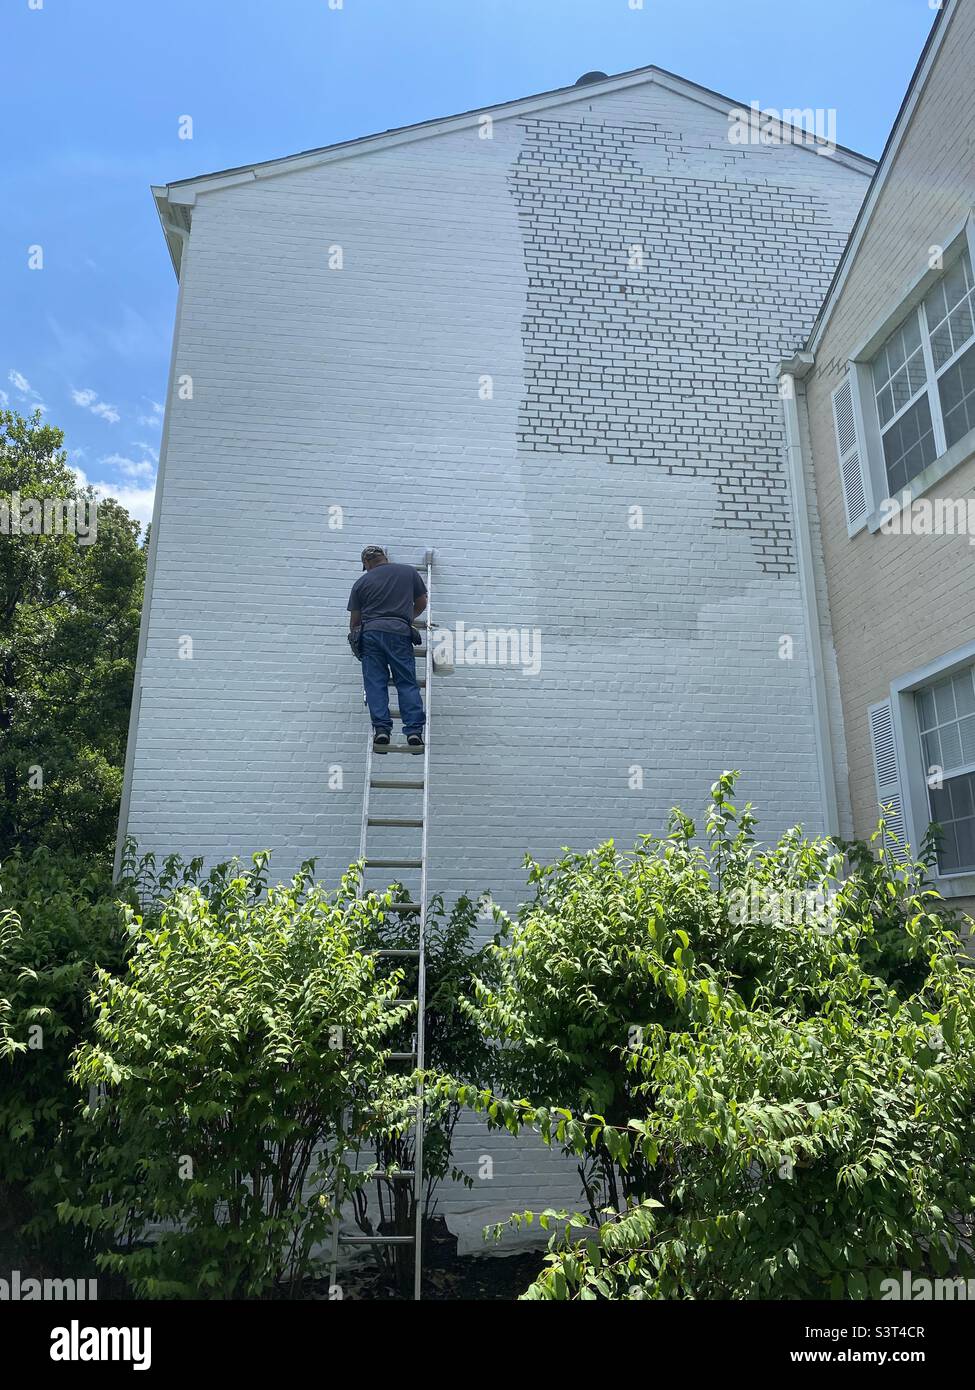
(385, 655)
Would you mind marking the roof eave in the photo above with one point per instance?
(902, 121)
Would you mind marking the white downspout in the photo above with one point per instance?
(789, 376)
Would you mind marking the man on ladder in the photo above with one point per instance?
(384, 602)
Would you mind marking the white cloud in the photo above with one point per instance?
(20, 383)
(4, 399)
(155, 419)
(88, 400)
(137, 501)
(130, 468)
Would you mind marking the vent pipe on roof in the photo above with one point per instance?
(588, 77)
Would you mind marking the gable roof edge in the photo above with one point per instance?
(183, 192)
(915, 90)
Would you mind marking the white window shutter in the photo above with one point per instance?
(887, 772)
(849, 451)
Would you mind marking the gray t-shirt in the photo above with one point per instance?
(385, 595)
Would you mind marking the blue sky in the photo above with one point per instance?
(93, 91)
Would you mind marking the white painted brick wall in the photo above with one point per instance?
(359, 388)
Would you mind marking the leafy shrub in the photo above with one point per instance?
(240, 1057)
(60, 921)
(774, 1104)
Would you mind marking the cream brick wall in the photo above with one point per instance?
(897, 602)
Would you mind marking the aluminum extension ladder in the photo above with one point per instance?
(417, 909)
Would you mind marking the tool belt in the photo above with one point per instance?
(355, 640)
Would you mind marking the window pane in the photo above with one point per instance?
(916, 372)
(881, 372)
(948, 309)
(957, 390)
(912, 334)
(961, 324)
(956, 284)
(948, 858)
(932, 751)
(935, 307)
(896, 352)
(944, 701)
(885, 405)
(941, 348)
(967, 730)
(964, 692)
(901, 357)
(962, 804)
(900, 386)
(965, 837)
(951, 746)
(940, 802)
(912, 434)
(925, 709)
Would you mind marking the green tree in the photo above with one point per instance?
(69, 621)
(765, 1055)
(59, 921)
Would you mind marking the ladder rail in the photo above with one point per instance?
(419, 952)
(364, 825)
(422, 967)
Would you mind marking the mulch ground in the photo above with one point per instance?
(448, 1278)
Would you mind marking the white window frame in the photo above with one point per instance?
(910, 757)
(880, 507)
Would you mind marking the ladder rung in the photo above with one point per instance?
(399, 748)
(392, 820)
(393, 782)
(397, 1174)
(384, 951)
(393, 863)
(376, 1240)
(421, 681)
(402, 907)
(400, 1056)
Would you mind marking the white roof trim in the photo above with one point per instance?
(185, 191)
(901, 126)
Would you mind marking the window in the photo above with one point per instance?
(924, 378)
(946, 720)
(905, 408)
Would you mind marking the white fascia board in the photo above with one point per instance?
(507, 112)
(169, 221)
(865, 216)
